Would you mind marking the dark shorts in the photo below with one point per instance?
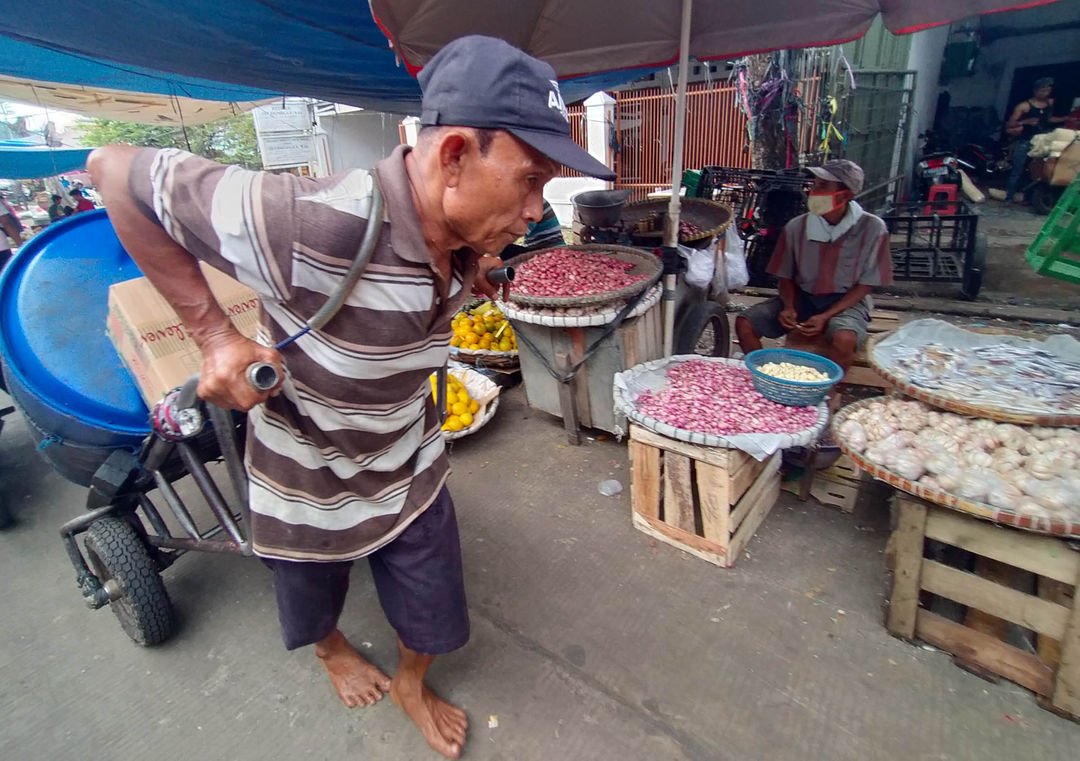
(765, 317)
(418, 577)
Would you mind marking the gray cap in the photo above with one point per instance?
(487, 83)
(847, 173)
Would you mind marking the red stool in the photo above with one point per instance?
(943, 192)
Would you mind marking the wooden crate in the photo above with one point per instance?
(705, 501)
(836, 486)
(588, 399)
(1048, 605)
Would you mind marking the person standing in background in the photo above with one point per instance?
(10, 231)
(1029, 118)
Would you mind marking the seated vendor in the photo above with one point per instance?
(828, 262)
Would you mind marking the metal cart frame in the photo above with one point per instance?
(128, 543)
(937, 242)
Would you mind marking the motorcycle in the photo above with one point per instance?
(990, 162)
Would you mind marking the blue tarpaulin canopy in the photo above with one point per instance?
(331, 51)
(22, 161)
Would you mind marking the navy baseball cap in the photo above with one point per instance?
(487, 83)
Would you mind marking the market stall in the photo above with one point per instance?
(982, 455)
(705, 445)
(581, 314)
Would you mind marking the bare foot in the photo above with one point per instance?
(442, 724)
(357, 681)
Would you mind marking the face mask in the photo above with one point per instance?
(822, 203)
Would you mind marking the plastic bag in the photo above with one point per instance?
(738, 276)
(700, 264)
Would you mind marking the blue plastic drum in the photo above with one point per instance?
(59, 364)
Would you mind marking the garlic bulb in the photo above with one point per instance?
(974, 485)
(940, 462)
(950, 479)
(908, 463)
(930, 483)
(853, 433)
(1042, 466)
(977, 458)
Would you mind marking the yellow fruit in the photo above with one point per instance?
(453, 423)
(473, 407)
(455, 341)
(466, 419)
(473, 346)
(504, 345)
(451, 397)
(485, 342)
(459, 408)
(470, 337)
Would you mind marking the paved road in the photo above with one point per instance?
(588, 641)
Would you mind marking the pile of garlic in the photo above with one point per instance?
(793, 372)
(1030, 470)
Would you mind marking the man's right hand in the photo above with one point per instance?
(789, 318)
(223, 380)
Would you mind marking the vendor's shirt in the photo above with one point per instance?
(857, 256)
(351, 451)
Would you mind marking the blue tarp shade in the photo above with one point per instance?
(19, 59)
(332, 51)
(23, 162)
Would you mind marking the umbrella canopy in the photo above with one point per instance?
(600, 35)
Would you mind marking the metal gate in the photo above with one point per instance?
(875, 118)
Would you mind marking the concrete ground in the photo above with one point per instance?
(589, 642)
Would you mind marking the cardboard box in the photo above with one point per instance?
(156, 348)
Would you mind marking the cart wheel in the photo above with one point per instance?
(705, 330)
(974, 270)
(1044, 197)
(116, 553)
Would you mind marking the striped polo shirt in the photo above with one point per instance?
(350, 452)
(858, 257)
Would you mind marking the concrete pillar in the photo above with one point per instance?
(599, 114)
(411, 127)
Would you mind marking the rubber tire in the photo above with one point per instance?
(1044, 197)
(700, 317)
(115, 551)
(974, 271)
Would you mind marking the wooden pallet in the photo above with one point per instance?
(990, 594)
(705, 501)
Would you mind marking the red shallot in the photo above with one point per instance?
(710, 397)
(565, 272)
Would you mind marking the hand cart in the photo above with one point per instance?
(90, 423)
(937, 242)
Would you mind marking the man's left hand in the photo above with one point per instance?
(814, 326)
(486, 264)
